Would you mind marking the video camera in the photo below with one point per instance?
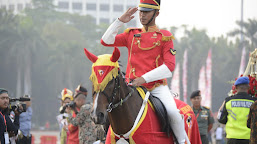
(21, 99)
(18, 105)
(72, 104)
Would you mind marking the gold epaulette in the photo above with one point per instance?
(128, 29)
(206, 107)
(168, 38)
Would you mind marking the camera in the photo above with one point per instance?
(19, 105)
(72, 104)
(22, 99)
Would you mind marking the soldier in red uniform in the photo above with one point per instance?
(151, 57)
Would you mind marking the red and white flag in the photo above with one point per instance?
(202, 84)
(208, 79)
(185, 77)
(205, 81)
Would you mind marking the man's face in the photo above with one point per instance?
(145, 16)
(196, 101)
(4, 100)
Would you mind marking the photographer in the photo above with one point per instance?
(87, 129)
(25, 124)
(62, 119)
(7, 127)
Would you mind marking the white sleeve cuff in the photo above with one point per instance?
(158, 73)
(112, 31)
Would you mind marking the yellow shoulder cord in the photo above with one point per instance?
(158, 43)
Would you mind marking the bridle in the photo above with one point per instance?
(112, 105)
(115, 91)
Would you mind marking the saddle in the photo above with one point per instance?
(161, 112)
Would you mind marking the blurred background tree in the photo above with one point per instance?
(41, 52)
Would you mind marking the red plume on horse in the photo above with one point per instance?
(132, 119)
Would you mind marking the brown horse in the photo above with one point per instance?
(122, 103)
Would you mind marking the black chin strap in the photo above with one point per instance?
(152, 17)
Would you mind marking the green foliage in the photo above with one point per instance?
(49, 45)
(249, 32)
(46, 47)
(197, 44)
(226, 56)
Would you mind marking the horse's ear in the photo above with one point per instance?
(90, 56)
(115, 55)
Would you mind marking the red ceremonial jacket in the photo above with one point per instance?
(146, 51)
(191, 125)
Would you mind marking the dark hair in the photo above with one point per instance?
(78, 94)
(82, 89)
(243, 86)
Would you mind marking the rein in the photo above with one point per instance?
(113, 105)
(111, 98)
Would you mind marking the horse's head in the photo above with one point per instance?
(105, 69)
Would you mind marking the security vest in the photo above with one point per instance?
(237, 109)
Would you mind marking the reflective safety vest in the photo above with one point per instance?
(238, 108)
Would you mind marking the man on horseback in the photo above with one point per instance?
(151, 57)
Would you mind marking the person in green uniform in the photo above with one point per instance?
(234, 113)
(203, 115)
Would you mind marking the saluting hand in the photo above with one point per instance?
(128, 15)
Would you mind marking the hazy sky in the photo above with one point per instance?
(216, 16)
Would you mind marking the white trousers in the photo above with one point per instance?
(176, 121)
